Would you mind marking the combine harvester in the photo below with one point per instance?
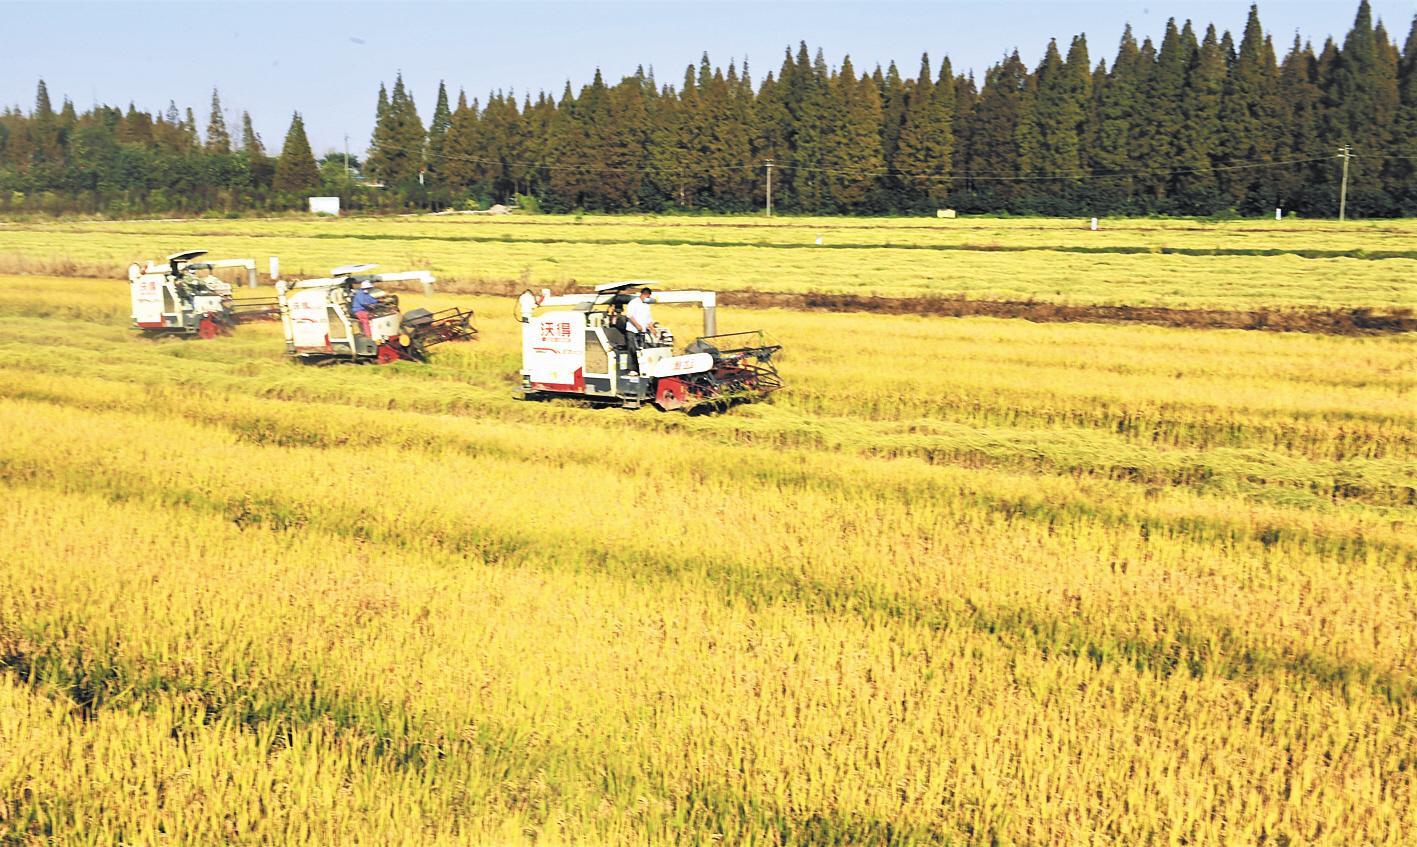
(574, 345)
(321, 326)
(183, 297)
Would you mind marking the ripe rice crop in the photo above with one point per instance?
(1141, 263)
(963, 581)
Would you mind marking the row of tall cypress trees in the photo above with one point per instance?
(1197, 124)
(109, 160)
(1201, 123)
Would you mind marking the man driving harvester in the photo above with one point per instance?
(362, 304)
(638, 322)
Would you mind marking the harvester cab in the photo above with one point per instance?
(180, 296)
(322, 326)
(575, 345)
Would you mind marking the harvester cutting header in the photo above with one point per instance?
(600, 347)
(184, 297)
(347, 317)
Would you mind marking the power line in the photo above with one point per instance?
(1076, 175)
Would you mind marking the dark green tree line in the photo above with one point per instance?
(1204, 122)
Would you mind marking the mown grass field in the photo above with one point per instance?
(964, 581)
(1237, 265)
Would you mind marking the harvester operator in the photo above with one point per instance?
(363, 304)
(638, 322)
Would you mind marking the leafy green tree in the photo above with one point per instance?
(296, 171)
(670, 183)
(460, 169)
(772, 125)
(1204, 93)
(250, 140)
(925, 152)
(1160, 137)
(571, 160)
(1402, 176)
(1003, 102)
(135, 128)
(43, 108)
(381, 111)
(853, 160)
(1362, 99)
(537, 120)
(893, 105)
(966, 102)
(438, 129)
(811, 124)
(396, 157)
(1301, 99)
(1118, 97)
(190, 139)
(1049, 144)
(735, 181)
(622, 138)
(503, 142)
(1250, 115)
(43, 130)
(714, 128)
(218, 139)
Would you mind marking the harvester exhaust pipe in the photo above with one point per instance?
(710, 305)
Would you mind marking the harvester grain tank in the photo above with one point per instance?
(575, 345)
(321, 326)
(182, 296)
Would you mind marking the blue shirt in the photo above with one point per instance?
(364, 301)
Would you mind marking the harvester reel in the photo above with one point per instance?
(740, 374)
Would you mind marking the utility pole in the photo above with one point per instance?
(346, 157)
(1345, 152)
(769, 163)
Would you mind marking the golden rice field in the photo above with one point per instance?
(964, 581)
(1235, 265)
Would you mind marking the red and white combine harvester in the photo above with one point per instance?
(576, 345)
(184, 297)
(323, 325)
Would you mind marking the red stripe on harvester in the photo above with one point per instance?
(577, 383)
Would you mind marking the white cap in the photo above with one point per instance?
(366, 284)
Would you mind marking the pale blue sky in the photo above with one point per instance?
(327, 58)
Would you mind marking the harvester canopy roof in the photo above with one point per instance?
(186, 255)
(360, 273)
(629, 283)
(352, 270)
